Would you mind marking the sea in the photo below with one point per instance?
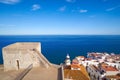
(56, 47)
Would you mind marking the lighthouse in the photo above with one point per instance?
(67, 60)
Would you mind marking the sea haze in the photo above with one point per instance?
(55, 47)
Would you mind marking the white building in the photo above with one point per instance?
(116, 65)
(86, 61)
(101, 71)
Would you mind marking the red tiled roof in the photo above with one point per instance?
(109, 68)
(76, 74)
(104, 64)
(75, 66)
(114, 77)
(75, 61)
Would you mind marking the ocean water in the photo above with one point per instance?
(55, 47)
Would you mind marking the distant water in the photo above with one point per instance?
(55, 47)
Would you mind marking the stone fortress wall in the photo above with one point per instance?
(22, 54)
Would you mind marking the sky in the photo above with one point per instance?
(54, 17)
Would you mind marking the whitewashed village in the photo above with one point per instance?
(24, 61)
(99, 66)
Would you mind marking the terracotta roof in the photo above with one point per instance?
(75, 66)
(75, 61)
(103, 64)
(113, 77)
(109, 68)
(76, 74)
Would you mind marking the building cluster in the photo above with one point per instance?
(100, 66)
(73, 71)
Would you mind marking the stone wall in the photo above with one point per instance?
(21, 55)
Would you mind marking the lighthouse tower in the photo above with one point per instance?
(67, 60)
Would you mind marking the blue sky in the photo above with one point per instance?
(38, 17)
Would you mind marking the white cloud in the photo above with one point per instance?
(113, 8)
(35, 7)
(110, 9)
(83, 11)
(62, 8)
(9, 1)
(71, 1)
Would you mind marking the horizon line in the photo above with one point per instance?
(51, 34)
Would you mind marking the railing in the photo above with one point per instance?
(22, 75)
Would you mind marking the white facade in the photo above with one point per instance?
(117, 65)
(88, 62)
(93, 73)
(97, 74)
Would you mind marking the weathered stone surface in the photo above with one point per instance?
(20, 55)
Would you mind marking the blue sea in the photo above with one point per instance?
(55, 47)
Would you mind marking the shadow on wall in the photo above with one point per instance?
(59, 74)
